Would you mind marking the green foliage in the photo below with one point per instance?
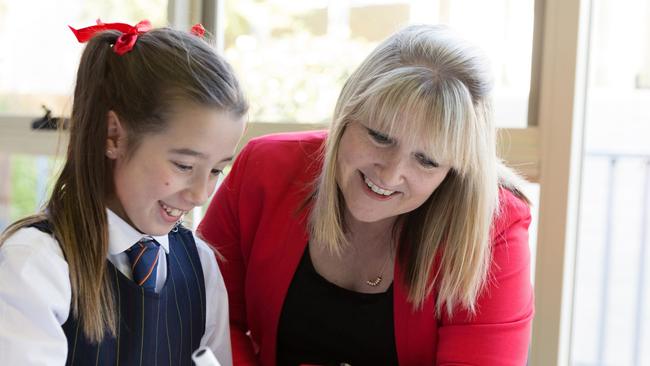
(25, 182)
(23, 177)
(4, 103)
(291, 69)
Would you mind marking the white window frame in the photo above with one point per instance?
(560, 116)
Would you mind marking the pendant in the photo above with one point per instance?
(375, 282)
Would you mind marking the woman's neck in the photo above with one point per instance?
(379, 232)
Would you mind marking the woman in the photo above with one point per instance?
(397, 237)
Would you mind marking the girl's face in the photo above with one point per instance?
(380, 177)
(173, 171)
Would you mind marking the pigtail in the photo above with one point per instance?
(77, 208)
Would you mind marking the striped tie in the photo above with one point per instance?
(144, 259)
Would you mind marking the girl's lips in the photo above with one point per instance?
(170, 214)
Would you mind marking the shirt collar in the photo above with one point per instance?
(122, 236)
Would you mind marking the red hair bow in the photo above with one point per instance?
(198, 30)
(124, 42)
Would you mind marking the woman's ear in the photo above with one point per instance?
(115, 136)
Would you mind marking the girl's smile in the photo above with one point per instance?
(170, 213)
(172, 171)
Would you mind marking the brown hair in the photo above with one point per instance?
(165, 67)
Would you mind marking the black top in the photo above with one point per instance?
(322, 323)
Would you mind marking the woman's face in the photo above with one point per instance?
(381, 177)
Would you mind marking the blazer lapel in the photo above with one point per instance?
(415, 330)
(280, 268)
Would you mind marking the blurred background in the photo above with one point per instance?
(293, 57)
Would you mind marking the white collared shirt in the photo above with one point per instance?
(35, 293)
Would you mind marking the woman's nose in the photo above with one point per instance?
(391, 170)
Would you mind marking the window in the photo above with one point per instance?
(293, 57)
(611, 317)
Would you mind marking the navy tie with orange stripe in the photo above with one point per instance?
(144, 262)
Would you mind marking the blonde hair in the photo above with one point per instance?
(425, 82)
(165, 67)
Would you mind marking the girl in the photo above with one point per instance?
(105, 274)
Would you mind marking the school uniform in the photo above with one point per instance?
(188, 307)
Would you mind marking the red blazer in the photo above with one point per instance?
(255, 224)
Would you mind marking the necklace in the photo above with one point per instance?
(379, 278)
(375, 282)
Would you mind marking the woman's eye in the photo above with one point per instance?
(183, 167)
(216, 172)
(426, 162)
(379, 137)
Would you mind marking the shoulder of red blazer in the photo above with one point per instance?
(284, 160)
(513, 210)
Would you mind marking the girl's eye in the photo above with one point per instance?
(379, 137)
(426, 162)
(183, 167)
(216, 172)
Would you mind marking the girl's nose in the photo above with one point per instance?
(198, 192)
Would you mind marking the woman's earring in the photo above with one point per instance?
(109, 153)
